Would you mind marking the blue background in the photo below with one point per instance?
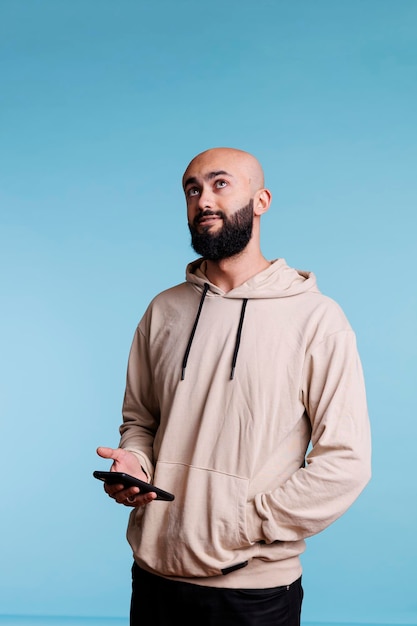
(102, 105)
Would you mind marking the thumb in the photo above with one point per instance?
(107, 453)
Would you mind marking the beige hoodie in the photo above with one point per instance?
(258, 459)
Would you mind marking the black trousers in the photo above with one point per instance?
(157, 601)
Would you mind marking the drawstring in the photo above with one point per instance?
(190, 341)
(238, 335)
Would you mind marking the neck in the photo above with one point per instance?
(230, 273)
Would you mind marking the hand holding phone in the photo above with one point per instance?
(120, 478)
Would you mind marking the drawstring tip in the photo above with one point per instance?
(232, 373)
(183, 373)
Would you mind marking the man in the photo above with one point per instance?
(232, 375)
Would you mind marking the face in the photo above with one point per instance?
(219, 204)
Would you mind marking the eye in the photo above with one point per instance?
(192, 191)
(219, 184)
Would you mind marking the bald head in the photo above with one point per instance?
(227, 160)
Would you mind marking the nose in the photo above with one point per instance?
(205, 200)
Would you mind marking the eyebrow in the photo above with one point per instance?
(192, 180)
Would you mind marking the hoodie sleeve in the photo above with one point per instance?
(140, 406)
(338, 466)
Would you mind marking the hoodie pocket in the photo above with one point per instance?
(200, 533)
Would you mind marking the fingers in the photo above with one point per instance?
(130, 501)
(129, 497)
(138, 499)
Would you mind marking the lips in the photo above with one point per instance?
(207, 218)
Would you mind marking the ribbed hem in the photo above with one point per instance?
(258, 574)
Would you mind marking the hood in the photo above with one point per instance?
(276, 281)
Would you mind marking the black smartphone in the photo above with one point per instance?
(120, 478)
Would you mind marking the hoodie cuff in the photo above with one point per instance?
(146, 466)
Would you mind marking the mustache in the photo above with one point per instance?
(206, 213)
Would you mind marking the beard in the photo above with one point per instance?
(231, 239)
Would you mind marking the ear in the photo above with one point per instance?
(261, 201)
